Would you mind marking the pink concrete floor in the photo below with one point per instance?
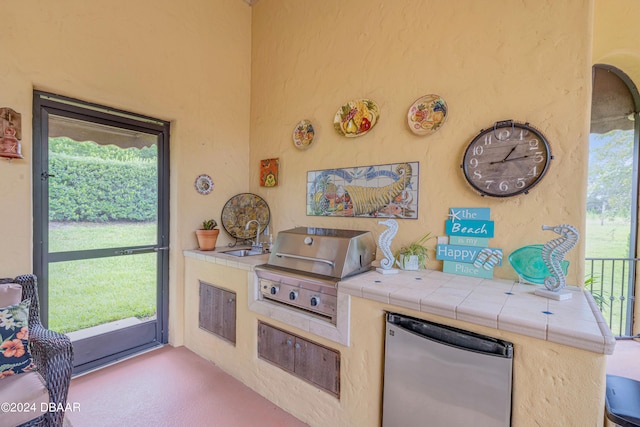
(625, 360)
(169, 387)
(175, 387)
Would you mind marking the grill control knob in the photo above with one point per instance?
(293, 295)
(315, 300)
(308, 240)
(274, 290)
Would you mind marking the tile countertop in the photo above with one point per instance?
(218, 256)
(496, 303)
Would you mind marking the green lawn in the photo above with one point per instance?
(91, 292)
(610, 240)
(609, 281)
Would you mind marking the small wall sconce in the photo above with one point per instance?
(11, 131)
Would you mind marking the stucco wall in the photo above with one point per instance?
(491, 60)
(616, 36)
(186, 62)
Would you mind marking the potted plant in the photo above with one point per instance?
(415, 255)
(208, 235)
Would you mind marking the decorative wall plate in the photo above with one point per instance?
(427, 115)
(204, 184)
(355, 118)
(239, 210)
(303, 134)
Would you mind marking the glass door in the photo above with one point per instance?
(100, 227)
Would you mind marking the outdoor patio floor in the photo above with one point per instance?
(175, 387)
(625, 360)
(170, 386)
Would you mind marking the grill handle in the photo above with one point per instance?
(305, 258)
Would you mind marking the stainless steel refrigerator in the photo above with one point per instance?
(436, 375)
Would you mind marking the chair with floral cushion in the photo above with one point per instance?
(35, 363)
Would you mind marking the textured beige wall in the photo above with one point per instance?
(186, 62)
(615, 36)
(554, 385)
(490, 60)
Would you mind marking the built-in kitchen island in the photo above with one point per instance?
(560, 347)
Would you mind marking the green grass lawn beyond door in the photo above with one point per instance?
(87, 293)
(609, 239)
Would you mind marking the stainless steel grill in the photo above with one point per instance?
(307, 263)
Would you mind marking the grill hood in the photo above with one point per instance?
(324, 251)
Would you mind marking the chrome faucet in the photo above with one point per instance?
(255, 246)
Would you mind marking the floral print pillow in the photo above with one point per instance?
(14, 334)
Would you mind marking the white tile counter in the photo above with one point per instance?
(496, 303)
(502, 304)
(219, 257)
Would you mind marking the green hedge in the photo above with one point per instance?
(96, 190)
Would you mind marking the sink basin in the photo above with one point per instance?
(242, 252)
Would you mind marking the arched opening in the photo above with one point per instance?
(612, 197)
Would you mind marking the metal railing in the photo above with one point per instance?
(611, 281)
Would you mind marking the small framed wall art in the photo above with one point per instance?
(269, 172)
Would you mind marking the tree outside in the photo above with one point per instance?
(609, 189)
(608, 225)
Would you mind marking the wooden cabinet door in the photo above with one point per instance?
(276, 346)
(229, 316)
(217, 311)
(207, 307)
(318, 364)
(305, 359)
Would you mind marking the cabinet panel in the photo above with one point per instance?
(318, 364)
(276, 346)
(229, 315)
(206, 307)
(217, 311)
(312, 362)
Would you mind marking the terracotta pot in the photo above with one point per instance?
(207, 239)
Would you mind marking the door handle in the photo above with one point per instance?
(141, 250)
(125, 252)
(46, 175)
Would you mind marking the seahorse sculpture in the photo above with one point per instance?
(553, 253)
(384, 242)
(367, 200)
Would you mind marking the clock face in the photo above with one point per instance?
(506, 160)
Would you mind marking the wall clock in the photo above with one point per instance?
(506, 160)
